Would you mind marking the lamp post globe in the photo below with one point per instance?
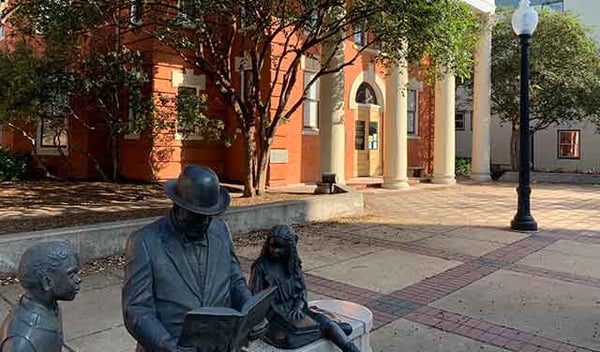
(525, 19)
(524, 23)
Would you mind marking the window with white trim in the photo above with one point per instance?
(569, 146)
(52, 132)
(186, 10)
(131, 123)
(366, 95)
(459, 121)
(413, 117)
(311, 102)
(182, 126)
(359, 135)
(360, 37)
(246, 20)
(373, 139)
(135, 11)
(247, 81)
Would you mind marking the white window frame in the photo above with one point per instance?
(365, 136)
(41, 149)
(244, 72)
(464, 120)
(577, 144)
(130, 119)
(186, 21)
(376, 136)
(135, 18)
(549, 5)
(3, 5)
(372, 89)
(311, 103)
(360, 36)
(243, 23)
(190, 80)
(415, 133)
(189, 136)
(51, 150)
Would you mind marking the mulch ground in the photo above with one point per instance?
(38, 205)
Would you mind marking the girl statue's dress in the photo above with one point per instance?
(292, 323)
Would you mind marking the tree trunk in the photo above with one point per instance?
(250, 147)
(514, 140)
(93, 160)
(115, 156)
(263, 164)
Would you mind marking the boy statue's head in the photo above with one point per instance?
(49, 272)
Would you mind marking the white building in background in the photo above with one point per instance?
(574, 147)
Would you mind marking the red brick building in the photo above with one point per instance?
(372, 102)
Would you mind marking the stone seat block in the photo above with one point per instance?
(358, 316)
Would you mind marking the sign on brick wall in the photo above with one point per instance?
(279, 156)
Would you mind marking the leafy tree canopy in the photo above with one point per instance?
(273, 37)
(564, 78)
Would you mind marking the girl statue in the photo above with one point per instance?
(292, 323)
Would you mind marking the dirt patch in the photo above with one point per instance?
(38, 205)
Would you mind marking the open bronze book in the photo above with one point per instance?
(211, 329)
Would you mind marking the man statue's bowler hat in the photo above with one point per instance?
(197, 189)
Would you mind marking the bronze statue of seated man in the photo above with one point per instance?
(48, 272)
(293, 323)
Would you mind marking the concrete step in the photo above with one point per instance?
(377, 182)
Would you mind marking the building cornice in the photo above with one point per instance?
(485, 6)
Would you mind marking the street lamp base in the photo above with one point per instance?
(523, 223)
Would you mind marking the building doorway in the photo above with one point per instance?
(367, 133)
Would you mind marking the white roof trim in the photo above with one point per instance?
(486, 6)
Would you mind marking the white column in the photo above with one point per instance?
(395, 150)
(482, 87)
(443, 143)
(332, 113)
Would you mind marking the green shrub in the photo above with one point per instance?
(462, 166)
(13, 167)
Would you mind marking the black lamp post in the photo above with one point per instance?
(524, 22)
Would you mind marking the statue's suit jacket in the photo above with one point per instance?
(160, 287)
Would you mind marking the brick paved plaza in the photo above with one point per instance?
(436, 265)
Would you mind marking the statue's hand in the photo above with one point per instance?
(296, 314)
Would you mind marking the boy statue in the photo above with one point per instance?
(49, 272)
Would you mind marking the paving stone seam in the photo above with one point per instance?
(581, 238)
(475, 329)
(409, 246)
(557, 275)
(488, 333)
(412, 302)
(345, 259)
(99, 331)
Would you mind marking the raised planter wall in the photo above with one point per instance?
(554, 177)
(104, 239)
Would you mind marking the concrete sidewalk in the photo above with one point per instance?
(436, 265)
